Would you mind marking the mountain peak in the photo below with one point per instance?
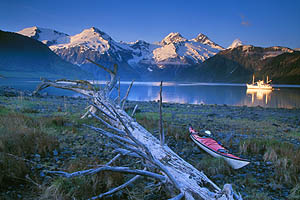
(173, 38)
(139, 44)
(45, 35)
(202, 38)
(93, 31)
(237, 42)
(30, 32)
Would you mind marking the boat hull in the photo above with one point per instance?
(234, 161)
(256, 87)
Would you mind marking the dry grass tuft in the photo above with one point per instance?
(20, 136)
(285, 158)
(214, 166)
(84, 187)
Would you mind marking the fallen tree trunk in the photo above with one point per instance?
(134, 140)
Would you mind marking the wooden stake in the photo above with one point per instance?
(161, 130)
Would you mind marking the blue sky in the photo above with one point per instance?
(260, 23)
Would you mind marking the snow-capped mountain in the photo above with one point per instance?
(173, 51)
(142, 54)
(173, 58)
(177, 50)
(205, 40)
(47, 36)
(94, 44)
(237, 42)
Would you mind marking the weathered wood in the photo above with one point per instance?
(136, 140)
(114, 159)
(116, 189)
(161, 128)
(126, 96)
(133, 112)
(126, 170)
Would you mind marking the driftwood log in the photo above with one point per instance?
(132, 139)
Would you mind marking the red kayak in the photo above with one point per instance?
(212, 147)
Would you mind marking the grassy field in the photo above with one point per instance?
(39, 134)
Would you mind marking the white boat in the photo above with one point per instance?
(261, 85)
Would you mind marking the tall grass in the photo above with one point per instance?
(284, 157)
(21, 137)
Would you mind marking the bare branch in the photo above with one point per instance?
(114, 159)
(32, 181)
(113, 74)
(98, 100)
(105, 113)
(178, 197)
(101, 66)
(108, 125)
(133, 112)
(125, 152)
(117, 141)
(109, 168)
(112, 136)
(79, 86)
(166, 171)
(116, 189)
(90, 109)
(127, 93)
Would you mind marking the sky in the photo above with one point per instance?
(255, 22)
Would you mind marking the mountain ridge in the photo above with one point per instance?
(24, 56)
(141, 56)
(173, 58)
(240, 63)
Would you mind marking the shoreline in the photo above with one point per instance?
(13, 91)
(249, 132)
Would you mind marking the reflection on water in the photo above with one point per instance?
(193, 93)
(259, 95)
(230, 94)
(278, 98)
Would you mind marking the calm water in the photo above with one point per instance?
(283, 96)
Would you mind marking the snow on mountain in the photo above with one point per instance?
(142, 53)
(47, 36)
(178, 50)
(173, 50)
(203, 39)
(237, 42)
(92, 39)
(172, 38)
